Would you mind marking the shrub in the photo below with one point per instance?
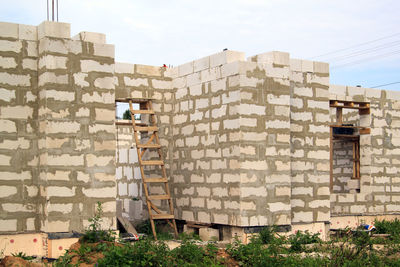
(298, 240)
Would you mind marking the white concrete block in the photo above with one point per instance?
(54, 29)
(27, 32)
(225, 57)
(93, 37)
(9, 30)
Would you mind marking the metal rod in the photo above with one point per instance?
(47, 9)
(52, 10)
(57, 10)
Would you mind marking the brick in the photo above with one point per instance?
(7, 191)
(14, 79)
(226, 57)
(62, 160)
(63, 208)
(93, 160)
(302, 216)
(7, 62)
(60, 191)
(5, 160)
(52, 78)
(53, 62)
(58, 226)
(253, 191)
(302, 191)
(213, 204)
(319, 204)
(8, 225)
(9, 30)
(103, 98)
(104, 192)
(278, 206)
(188, 215)
(148, 70)
(62, 127)
(104, 50)
(160, 84)
(105, 83)
(208, 234)
(28, 63)
(91, 65)
(10, 46)
(54, 29)
(220, 192)
(24, 175)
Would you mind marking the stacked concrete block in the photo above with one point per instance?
(61, 110)
(206, 133)
(343, 166)
(309, 118)
(19, 157)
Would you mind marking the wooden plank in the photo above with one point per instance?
(364, 111)
(331, 159)
(365, 131)
(339, 116)
(129, 228)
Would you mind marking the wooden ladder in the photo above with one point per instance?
(153, 143)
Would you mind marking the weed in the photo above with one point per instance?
(64, 260)
(267, 234)
(189, 254)
(94, 233)
(191, 236)
(22, 255)
(143, 253)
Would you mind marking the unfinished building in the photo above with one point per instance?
(247, 142)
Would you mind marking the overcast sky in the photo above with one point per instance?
(173, 32)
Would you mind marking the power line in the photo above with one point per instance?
(354, 46)
(366, 59)
(365, 51)
(376, 86)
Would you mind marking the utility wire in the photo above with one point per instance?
(354, 46)
(366, 59)
(376, 86)
(365, 51)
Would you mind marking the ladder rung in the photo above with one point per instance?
(162, 216)
(152, 162)
(123, 123)
(155, 180)
(134, 100)
(146, 128)
(149, 146)
(142, 111)
(158, 197)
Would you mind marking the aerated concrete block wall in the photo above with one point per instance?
(57, 136)
(379, 151)
(251, 140)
